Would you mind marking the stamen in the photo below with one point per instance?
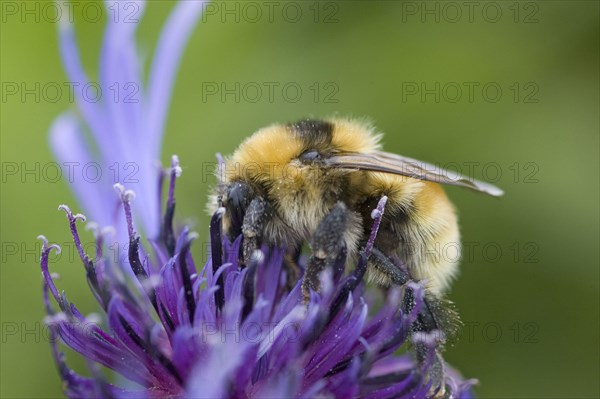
(159, 187)
(175, 173)
(217, 254)
(134, 259)
(361, 267)
(126, 197)
(87, 262)
(95, 268)
(167, 235)
(187, 281)
(377, 215)
(175, 166)
(72, 221)
(134, 243)
(45, 245)
(44, 240)
(248, 283)
(48, 282)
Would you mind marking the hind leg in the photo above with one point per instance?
(433, 316)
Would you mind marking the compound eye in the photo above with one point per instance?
(310, 156)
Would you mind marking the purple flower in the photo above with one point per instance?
(166, 336)
(168, 329)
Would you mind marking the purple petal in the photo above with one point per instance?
(120, 78)
(70, 149)
(211, 377)
(70, 55)
(172, 40)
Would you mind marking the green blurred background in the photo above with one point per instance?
(528, 291)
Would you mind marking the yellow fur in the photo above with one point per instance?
(354, 136)
(264, 155)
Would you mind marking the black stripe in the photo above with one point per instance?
(315, 133)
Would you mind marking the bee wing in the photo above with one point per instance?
(380, 161)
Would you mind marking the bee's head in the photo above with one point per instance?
(300, 150)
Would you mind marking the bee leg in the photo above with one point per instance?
(429, 354)
(326, 244)
(388, 272)
(239, 195)
(431, 310)
(254, 220)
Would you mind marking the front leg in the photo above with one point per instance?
(254, 220)
(246, 214)
(238, 196)
(326, 245)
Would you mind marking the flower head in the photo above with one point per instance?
(168, 337)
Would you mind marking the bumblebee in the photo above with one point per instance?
(317, 181)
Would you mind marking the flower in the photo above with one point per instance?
(167, 336)
(116, 135)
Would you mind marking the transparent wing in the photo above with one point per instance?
(380, 161)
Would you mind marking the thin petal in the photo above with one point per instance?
(89, 107)
(120, 76)
(72, 152)
(172, 41)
